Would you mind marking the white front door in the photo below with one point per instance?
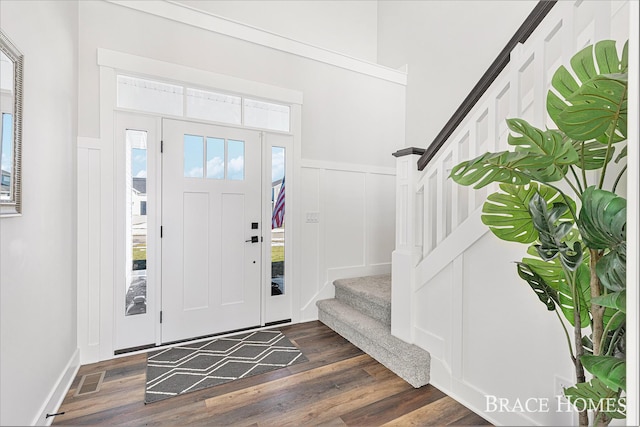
(211, 229)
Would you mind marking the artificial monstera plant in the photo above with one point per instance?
(558, 196)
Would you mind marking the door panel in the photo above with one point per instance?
(211, 197)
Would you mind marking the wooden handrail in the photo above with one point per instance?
(522, 34)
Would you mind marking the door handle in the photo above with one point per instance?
(253, 239)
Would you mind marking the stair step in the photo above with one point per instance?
(371, 295)
(408, 361)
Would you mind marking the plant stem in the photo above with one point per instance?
(615, 184)
(575, 175)
(597, 311)
(613, 338)
(606, 158)
(577, 338)
(566, 334)
(573, 187)
(584, 171)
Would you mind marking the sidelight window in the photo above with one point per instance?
(136, 219)
(277, 220)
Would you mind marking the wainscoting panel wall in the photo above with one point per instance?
(347, 216)
(90, 169)
(487, 332)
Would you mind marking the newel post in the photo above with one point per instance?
(407, 252)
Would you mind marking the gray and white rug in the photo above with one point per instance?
(191, 367)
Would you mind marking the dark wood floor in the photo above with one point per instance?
(339, 385)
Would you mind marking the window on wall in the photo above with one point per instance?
(136, 222)
(225, 158)
(217, 107)
(277, 220)
(266, 115)
(150, 95)
(178, 100)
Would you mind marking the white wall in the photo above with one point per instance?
(351, 123)
(447, 45)
(348, 27)
(37, 249)
(343, 116)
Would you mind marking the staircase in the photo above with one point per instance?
(361, 313)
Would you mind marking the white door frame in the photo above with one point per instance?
(99, 285)
(140, 329)
(278, 308)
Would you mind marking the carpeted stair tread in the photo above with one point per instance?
(371, 295)
(408, 361)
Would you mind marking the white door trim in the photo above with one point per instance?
(100, 289)
(140, 329)
(206, 79)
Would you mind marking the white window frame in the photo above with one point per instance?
(183, 93)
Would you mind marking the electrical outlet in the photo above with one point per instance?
(561, 402)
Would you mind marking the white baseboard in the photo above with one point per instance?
(59, 391)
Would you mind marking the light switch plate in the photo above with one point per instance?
(313, 217)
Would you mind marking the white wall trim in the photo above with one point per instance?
(435, 344)
(469, 232)
(218, 24)
(633, 233)
(167, 70)
(347, 167)
(59, 391)
(464, 393)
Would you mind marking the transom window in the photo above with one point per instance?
(178, 100)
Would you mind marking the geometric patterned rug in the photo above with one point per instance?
(191, 367)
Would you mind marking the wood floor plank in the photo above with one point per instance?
(393, 406)
(338, 386)
(241, 397)
(442, 412)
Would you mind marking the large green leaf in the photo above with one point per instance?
(594, 106)
(602, 222)
(596, 110)
(553, 275)
(607, 57)
(503, 166)
(603, 219)
(595, 394)
(614, 300)
(610, 370)
(552, 232)
(506, 213)
(549, 142)
(612, 269)
(592, 154)
(546, 294)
